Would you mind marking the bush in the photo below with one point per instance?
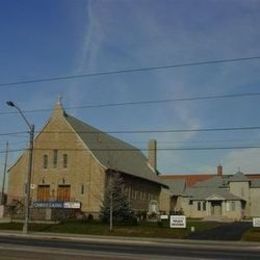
(90, 217)
(160, 224)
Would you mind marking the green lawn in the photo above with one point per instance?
(144, 229)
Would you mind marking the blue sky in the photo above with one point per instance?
(41, 39)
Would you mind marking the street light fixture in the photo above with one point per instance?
(29, 174)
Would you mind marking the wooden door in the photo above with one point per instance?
(63, 193)
(43, 193)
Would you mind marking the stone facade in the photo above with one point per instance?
(222, 196)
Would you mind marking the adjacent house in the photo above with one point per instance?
(215, 196)
(72, 161)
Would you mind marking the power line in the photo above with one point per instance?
(198, 141)
(13, 133)
(158, 131)
(124, 71)
(248, 128)
(145, 149)
(144, 102)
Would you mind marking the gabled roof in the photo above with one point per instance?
(255, 183)
(253, 175)
(190, 179)
(206, 193)
(114, 153)
(216, 182)
(239, 176)
(177, 187)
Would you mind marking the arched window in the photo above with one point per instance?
(82, 189)
(65, 160)
(55, 158)
(45, 161)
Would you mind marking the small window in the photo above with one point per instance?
(55, 158)
(204, 206)
(199, 206)
(126, 190)
(65, 160)
(132, 193)
(233, 205)
(227, 206)
(136, 194)
(191, 202)
(45, 161)
(82, 189)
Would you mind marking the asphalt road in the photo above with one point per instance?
(13, 247)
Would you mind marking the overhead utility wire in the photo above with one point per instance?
(144, 102)
(147, 131)
(13, 133)
(146, 149)
(152, 68)
(159, 131)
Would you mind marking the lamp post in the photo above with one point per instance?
(3, 185)
(29, 174)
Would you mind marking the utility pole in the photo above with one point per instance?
(29, 173)
(111, 188)
(28, 184)
(111, 211)
(5, 167)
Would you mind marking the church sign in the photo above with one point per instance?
(256, 222)
(56, 204)
(177, 221)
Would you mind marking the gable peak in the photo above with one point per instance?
(58, 108)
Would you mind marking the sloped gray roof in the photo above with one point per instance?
(114, 153)
(177, 187)
(204, 193)
(216, 181)
(255, 183)
(239, 176)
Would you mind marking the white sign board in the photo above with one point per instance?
(256, 222)
(164, 216)
(71, 205)
(178, 221)
(2, 207)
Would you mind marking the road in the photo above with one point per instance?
(26, 247)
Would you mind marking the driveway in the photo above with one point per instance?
(228, 231)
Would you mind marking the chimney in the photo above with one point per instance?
(152, 153)
(220, 170)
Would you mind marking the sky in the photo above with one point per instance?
(46, 39)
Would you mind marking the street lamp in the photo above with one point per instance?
(29, 174)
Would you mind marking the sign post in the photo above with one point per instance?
(177, 221)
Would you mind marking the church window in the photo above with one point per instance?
(55, 158)
(45, 161)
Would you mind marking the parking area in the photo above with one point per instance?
(227, 231)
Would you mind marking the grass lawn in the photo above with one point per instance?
(253, 234)
(143, 229)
